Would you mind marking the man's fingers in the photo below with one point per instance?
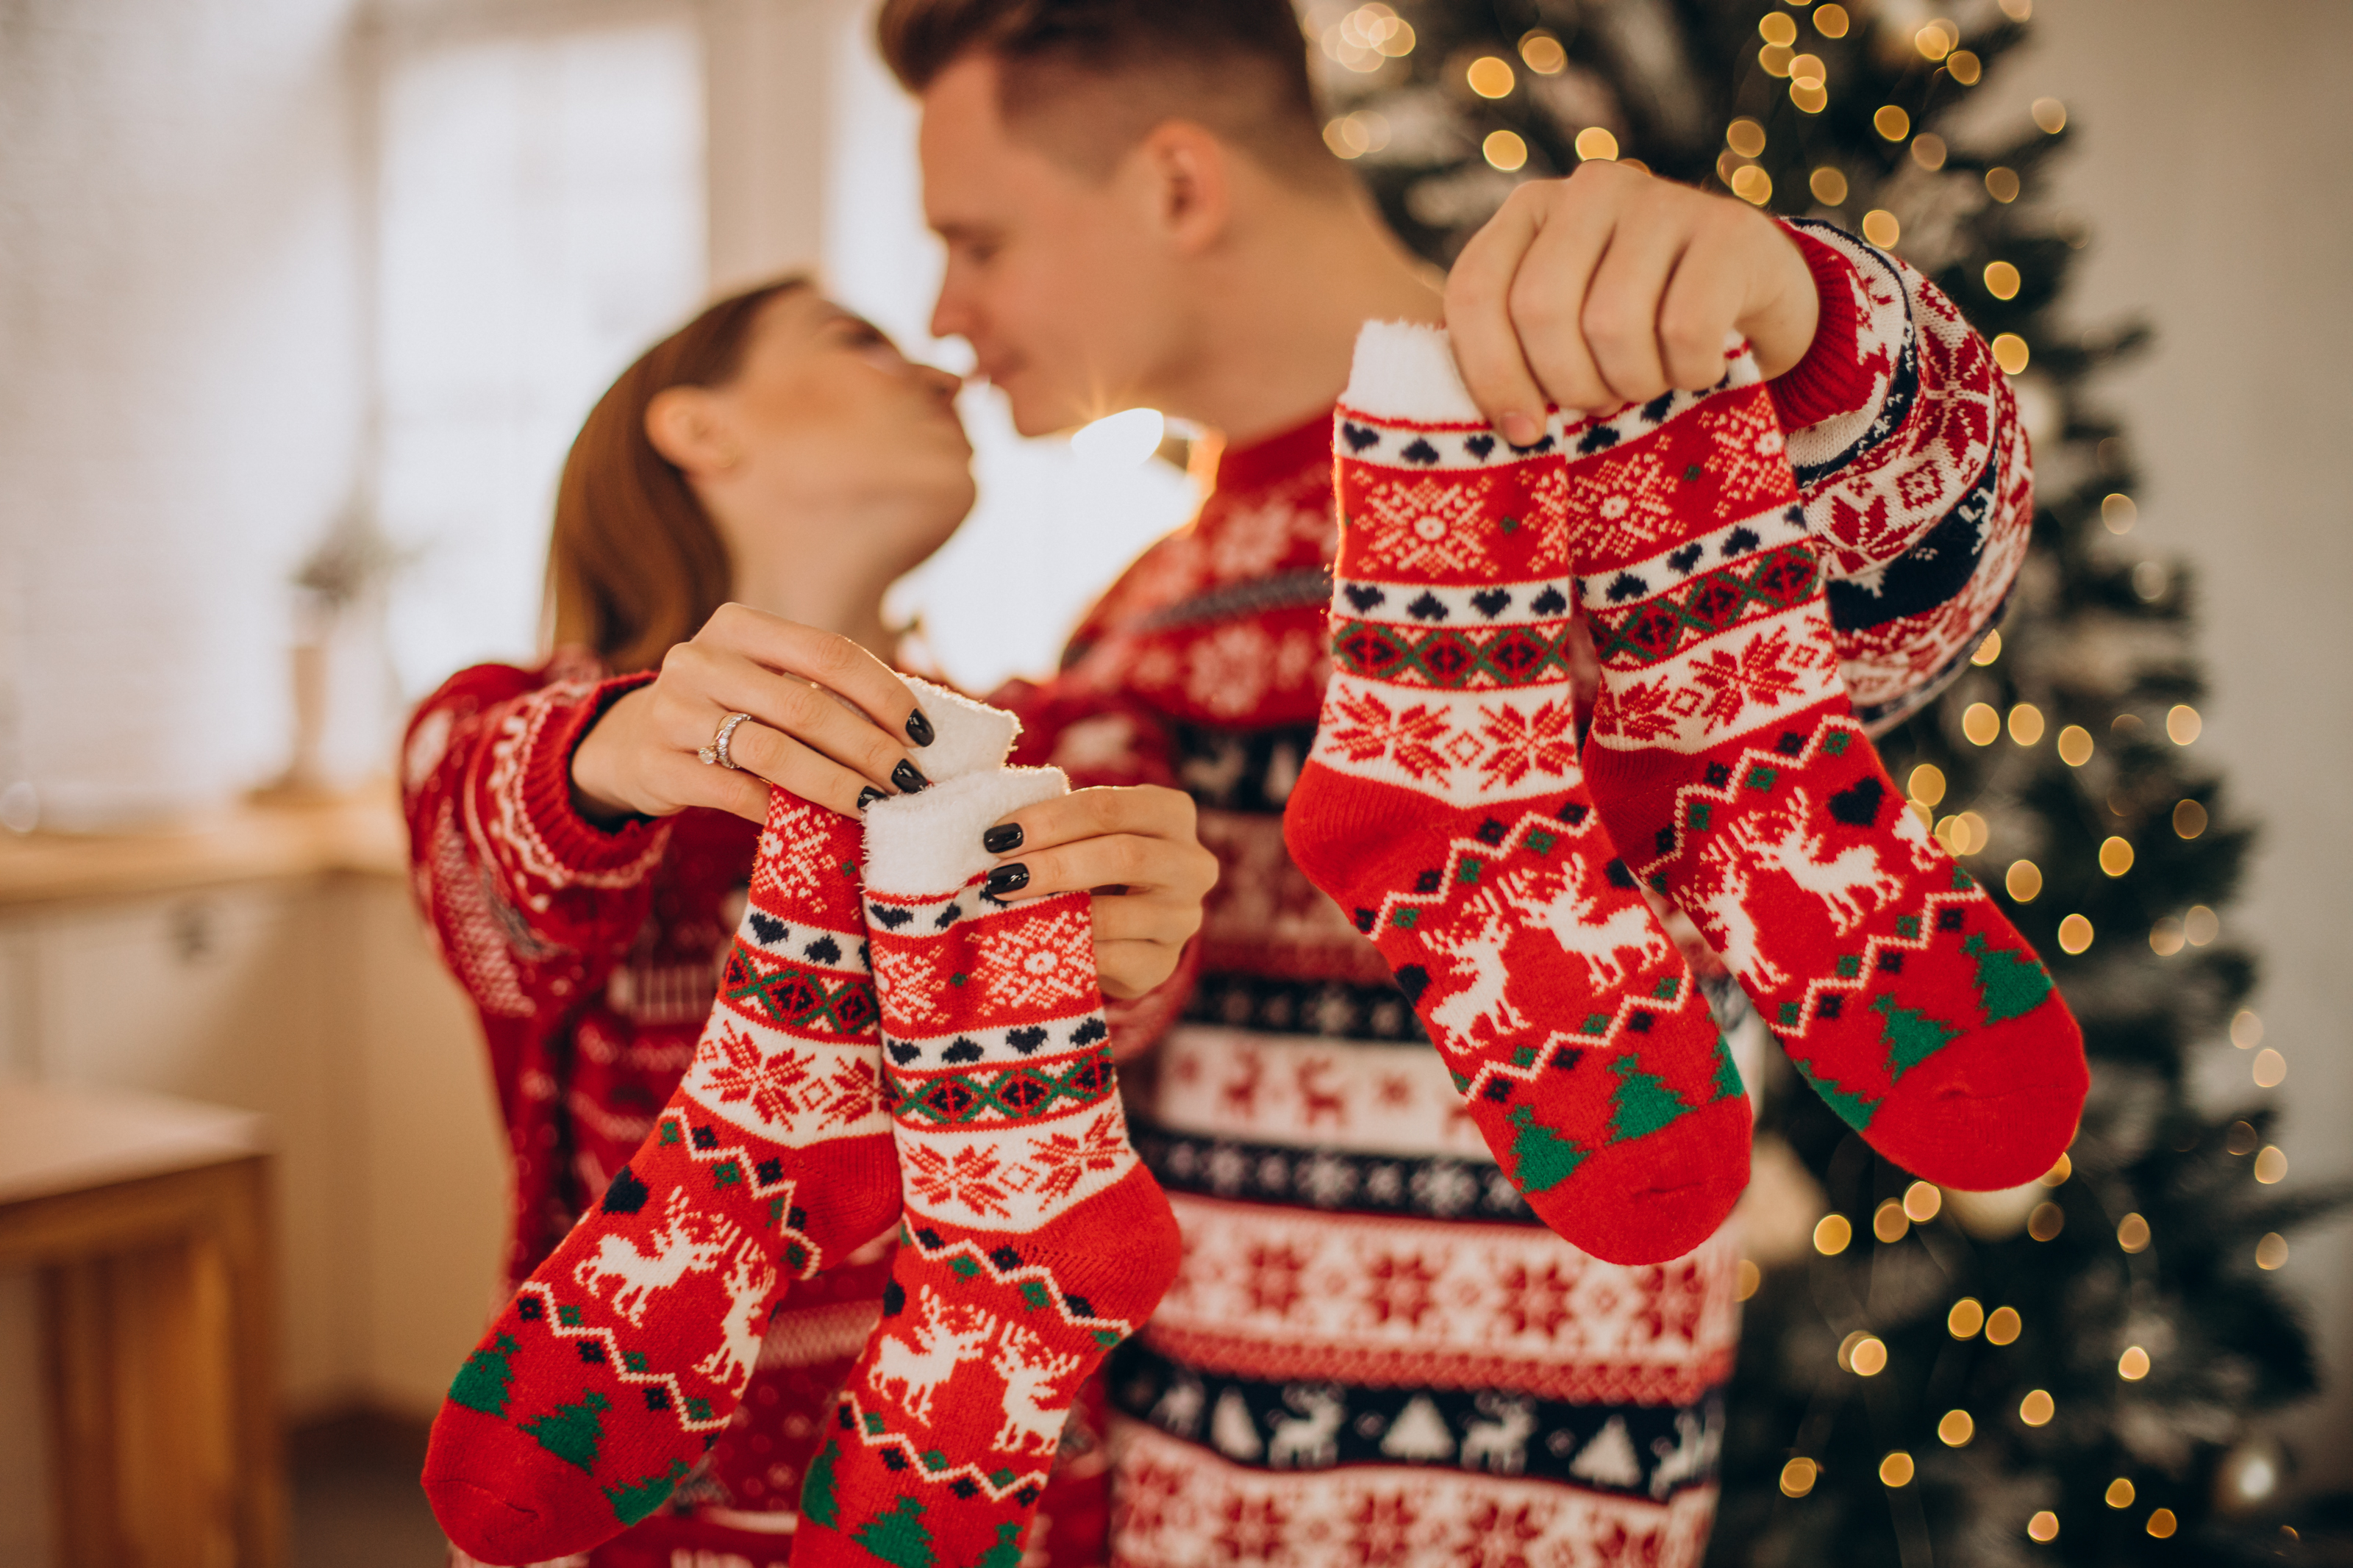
(1550, 295)
(1621, 316)
(828, 658)
(1479, 301)
(1702, 306)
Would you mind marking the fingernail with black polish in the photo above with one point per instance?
(868, 795)
(919, 728)
(1006, 879)
(1002, 838)
(908, 780)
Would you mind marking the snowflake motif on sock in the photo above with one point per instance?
(972, 1177)
(1548, 502)
(797, 871)
(1640, 710)
(851, 1093)
(766, 1082)
(1061, 1161)
(1767, 672)
(915, 973)
(1543, 741)
(1626, 503)
(1426, 525)
(1368, 730)
(1038, 965)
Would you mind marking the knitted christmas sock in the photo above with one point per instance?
(1723, 749)
(624, 1355)
(1443, 805)
(1033, 1240)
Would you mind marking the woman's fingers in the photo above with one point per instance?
(788, 706)
(826, 658)
(1138, 846)
(1144, 810)
(1129, 969)
(1139, 839)
(764, 753)
(1157, 918)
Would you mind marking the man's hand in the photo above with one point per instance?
(1136, 848)
(1609, 286)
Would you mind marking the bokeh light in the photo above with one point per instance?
(1491, 75)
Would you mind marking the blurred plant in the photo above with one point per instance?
(353, 558)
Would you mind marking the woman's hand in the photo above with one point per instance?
(1136, 850)
(830, 722)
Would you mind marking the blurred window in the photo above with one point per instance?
(540, 220)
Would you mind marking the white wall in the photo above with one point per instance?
(181, 382)
(2214, 162)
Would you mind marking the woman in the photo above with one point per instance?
(728, 519)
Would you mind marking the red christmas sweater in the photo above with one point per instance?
(1372, 1352)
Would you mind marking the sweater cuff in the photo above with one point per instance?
(577, 843)
(1832, 379)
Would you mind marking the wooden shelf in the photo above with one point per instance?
(59, 1140)
(255, 841)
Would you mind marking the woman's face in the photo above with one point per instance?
(825, 413)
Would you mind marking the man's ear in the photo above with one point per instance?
(1188, 177)
(684, 425)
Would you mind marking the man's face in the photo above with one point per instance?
(1061, 282)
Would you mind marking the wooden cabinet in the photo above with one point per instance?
(276, 968)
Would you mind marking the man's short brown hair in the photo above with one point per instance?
(1089, 78)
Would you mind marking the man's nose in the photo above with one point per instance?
(950, 316)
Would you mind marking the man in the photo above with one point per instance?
(1374, 1353)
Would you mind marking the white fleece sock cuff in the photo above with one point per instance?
(927, 844)
(967, 737)
(1404, 370)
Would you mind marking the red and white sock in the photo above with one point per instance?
(1033, 1239)
(624, 1355)
(1725, 758)
(1444, 806)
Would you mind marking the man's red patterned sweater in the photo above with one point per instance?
(1372, 1345)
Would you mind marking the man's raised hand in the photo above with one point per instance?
(1609, 286)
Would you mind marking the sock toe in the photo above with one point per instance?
(497, 1499)
(1951, 1125)
(1651, 1207)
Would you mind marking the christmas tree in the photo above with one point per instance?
(2078, 1372)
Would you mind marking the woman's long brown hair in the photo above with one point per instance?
(636, 564)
